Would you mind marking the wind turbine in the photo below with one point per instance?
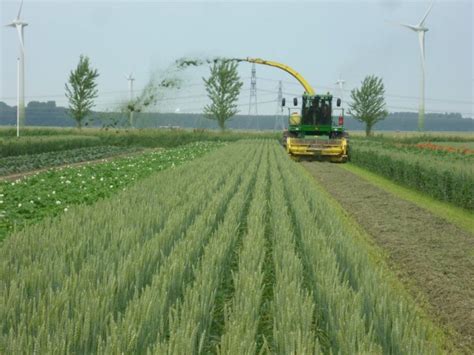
(421, 29)
(130, 79)
(341, 83)
(20, 25)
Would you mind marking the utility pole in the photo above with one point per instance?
(130, 79)
(279, 110)
(253, 109)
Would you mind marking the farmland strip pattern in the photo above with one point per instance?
(141, 272)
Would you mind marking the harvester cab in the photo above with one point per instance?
(313, 131)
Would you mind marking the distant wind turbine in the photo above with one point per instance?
(341, 83)
(421, 29)
(130, 79)
(20, 25)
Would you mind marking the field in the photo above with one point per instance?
(209, 243)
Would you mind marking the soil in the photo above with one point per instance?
(431, 256)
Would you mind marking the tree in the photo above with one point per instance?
(223, 88)
(82, 90)
(368, 102)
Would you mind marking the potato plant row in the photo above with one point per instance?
(24, 163)
(147, 270)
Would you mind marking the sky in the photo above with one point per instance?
(323, 40)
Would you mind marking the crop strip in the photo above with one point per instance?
(191, 318)
(242, 320)
(293, 307)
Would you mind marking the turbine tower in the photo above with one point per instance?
(341, 84)
(130, 79)
(20, 25)
(421, 29)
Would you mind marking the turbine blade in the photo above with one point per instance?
(19, 10)
(411, 27)
(20, 37)
(426, 14)
(421, 40)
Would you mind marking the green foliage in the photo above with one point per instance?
(443, 175)
(140, 272)
(368, 102)
(49, 193)
(223, 89)
(41, 144)
(28, 162)
(82, 90)
(49, 140)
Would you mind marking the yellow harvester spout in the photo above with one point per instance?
(309, 90)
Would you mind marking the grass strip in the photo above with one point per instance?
(453, 214)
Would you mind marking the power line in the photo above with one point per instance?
(328, 87)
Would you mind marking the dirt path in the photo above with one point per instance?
(432, 256)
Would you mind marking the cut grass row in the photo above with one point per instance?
(143, 274)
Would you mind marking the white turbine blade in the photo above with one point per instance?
(19, 10)
(426, 15)
(421, 40)
(20, 37)
(411, 27)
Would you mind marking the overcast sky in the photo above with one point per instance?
(323, 40)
